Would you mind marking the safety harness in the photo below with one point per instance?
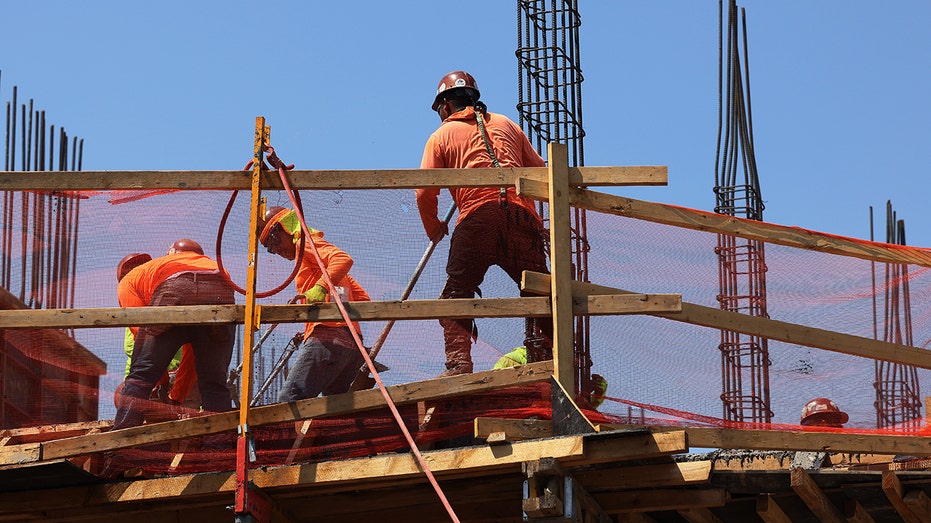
(480, 110)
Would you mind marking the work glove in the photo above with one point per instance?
(316, 294)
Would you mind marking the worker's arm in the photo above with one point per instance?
(428, 198)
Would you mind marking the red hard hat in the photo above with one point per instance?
(823, 412)
(456, 80)
(187, 245)
(130, 262)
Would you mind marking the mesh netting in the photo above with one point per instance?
(656, 368)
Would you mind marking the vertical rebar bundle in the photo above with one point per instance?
(742, 263)
(898, 398)
(40, 228)
(550, 108)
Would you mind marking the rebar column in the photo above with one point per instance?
(742, 263)
(550, 109)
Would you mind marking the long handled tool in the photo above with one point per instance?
(292, 347)
(234, 373)
(363, 379)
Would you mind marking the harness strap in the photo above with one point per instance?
(503, 195)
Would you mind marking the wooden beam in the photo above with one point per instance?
(854, 443)
(769, 510)
(739, 227)
(855, 512)
(771, 329)
(281, 412)
(322, 179)
(699, 515)
(360, 310)
(919, 503)
(660, 500)
(561, 266)
(514, 429)
(814, 498)
(894, 491)
(646, 476)
(381, 471)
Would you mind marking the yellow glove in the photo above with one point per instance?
(599, 389)
(316, 294)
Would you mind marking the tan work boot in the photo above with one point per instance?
(456, 369)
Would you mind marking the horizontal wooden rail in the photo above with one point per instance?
(323, 179)
(362, 311)
(739, 227)
(763, 327)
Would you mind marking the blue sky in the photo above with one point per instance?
(841, 112)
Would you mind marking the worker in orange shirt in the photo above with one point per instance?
(495, 226)
(177, 384)
(328, 360)
(184, 276)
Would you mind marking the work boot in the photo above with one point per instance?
(456, 368)
(458, 348)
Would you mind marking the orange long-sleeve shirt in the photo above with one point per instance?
(458, 143)
(337, 264)
(138, 286)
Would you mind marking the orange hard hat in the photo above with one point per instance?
(823, 412)
(130, 262)
(268, 220)
(187, 245)
(460, 81)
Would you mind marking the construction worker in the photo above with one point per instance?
(328, 360)
(598, 385)
(822, 412)
(184, 276)
(495, 226)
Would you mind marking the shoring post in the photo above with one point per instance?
(251, 323)
(561, 266)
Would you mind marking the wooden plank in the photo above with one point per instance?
(56, 431)
(894, 491)
(660, 500)
(515, 429)
(854, 443)
(919, 503)
(646, 476)
(855, 512)
(814, 498)
(561, 265)
(322, 179)
(769, 510)
(379, 471)
(639, 444)
(699, 515)
(739, 227)
(763, 327)
(361, 311)
(303, 409)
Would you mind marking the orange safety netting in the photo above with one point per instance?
(660, 370)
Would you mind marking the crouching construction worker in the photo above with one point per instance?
(495, 226)
(329, 360)
(598, 385)
(184, 276)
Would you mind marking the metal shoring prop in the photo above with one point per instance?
(364, 380)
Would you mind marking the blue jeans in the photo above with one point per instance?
(327, 363)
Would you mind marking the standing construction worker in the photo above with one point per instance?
(328, 360)
(184, 276)
(495, 226)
